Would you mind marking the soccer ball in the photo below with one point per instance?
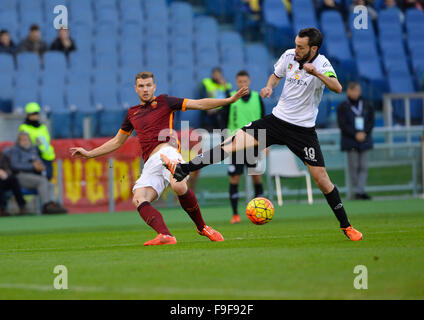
(260, 210)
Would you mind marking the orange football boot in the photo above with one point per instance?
(235, 219)
(352, 233)
(211, 234)
(161, 239)
(175, 167)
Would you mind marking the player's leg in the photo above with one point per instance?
(189, 203)
(363, 174)
(331, 193)
(304, 143)
(142, 199)
(352, 163)
(240, 141)
(233, 192)
(235, 170)
(257, 182)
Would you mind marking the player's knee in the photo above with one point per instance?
(257, 179)
(235, 179)
(179, 188)
(137, 200)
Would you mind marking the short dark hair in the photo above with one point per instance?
(314, 35)
(352, 85)
(144, 75)
(243, 73)
(34, 27)
(217, 69)
(3, 31)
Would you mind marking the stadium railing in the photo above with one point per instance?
(394, 153)
(396, 161)
(409, 110)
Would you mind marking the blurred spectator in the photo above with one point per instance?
(330, 5)
(30, 171)
(391, 4)
(6, 43)
(355, 118)
(373, 14)
(39, 135)
(63, 42)
(412, 4)
(253, 6)
(33, 42)
(215, 87)
(8, 181)
(287, 4)
(248, 19)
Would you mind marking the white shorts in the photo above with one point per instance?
(154, 174)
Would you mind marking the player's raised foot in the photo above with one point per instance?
(173, 166)
(352, 233)
(161, 239)
(212, 234)
(235, 219)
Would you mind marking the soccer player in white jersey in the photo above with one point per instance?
(292, 122)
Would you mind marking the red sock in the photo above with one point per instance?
(189, 203)
(153, 218)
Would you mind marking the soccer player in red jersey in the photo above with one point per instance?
(152, 119)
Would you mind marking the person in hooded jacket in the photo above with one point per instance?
(39, 134)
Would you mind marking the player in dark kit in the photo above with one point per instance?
(292, 121)
(152, 120)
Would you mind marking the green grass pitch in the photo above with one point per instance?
(300, 254)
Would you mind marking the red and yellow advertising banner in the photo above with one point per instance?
(86, 181)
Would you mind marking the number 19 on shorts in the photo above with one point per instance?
(310, 153)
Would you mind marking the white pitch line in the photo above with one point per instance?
(273, 294)
(135, 244)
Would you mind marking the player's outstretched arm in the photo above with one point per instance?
(330, 82)
(107, 147)
(273, 82)
(208, 103)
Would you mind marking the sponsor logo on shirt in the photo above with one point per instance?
(297, 81)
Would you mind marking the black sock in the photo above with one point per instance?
(234, 196)
(214, 155)
(259, 190)
(333, 199)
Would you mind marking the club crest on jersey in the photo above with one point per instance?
(154, 104)
(290, 66)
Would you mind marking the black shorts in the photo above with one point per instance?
(236, 169)
(302, 141)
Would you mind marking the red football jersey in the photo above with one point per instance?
(153, 122)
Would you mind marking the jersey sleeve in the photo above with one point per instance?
(280, 66)
(126, 126)
(176, 103)
(327, 69)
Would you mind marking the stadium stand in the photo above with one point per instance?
(115, 39)
(336, 43)
(278, 28)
